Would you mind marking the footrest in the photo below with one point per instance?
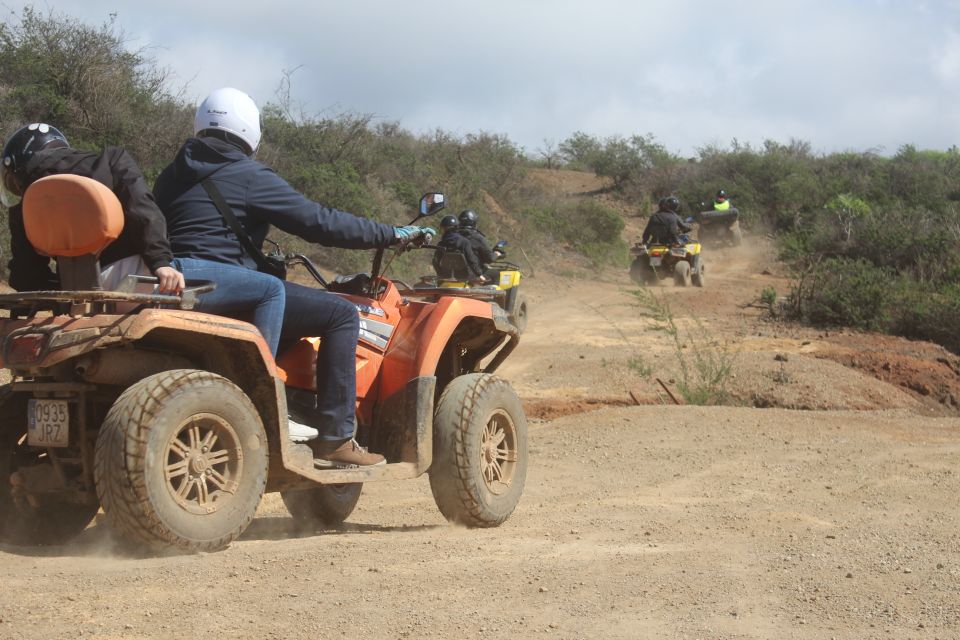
(340, 475)
(320, 463)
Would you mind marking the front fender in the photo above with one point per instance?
(439, 327)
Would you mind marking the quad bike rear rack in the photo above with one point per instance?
(32, 301)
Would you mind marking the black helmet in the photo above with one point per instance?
(449, 222)
(468, 219)
(721, 194)
(18, 150)
(670, 203)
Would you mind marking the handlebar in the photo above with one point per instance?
(298, 258)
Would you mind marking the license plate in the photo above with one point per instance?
(48, 423)
(655, 261)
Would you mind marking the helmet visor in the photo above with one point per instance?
(9, 188)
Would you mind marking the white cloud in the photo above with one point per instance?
(946, 60)
(839, 73)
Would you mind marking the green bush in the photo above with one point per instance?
(844, 292)
(335, 185)
(621, 159)
(85, 81)
(930, 315)
(898, 274)
(585, 226)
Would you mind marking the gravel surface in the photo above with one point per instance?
(637, 522)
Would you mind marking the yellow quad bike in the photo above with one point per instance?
(655, 262)
(503, 286)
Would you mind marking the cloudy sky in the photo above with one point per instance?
(840, 74)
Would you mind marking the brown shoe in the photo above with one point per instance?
(346, 453)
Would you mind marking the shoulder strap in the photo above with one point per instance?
(227, 214)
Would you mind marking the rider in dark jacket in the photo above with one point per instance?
(227, 127)
(454, 241)
(665, 226)
(258, 197)
(478, 242)
(40, 150)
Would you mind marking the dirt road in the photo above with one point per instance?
(637, 522)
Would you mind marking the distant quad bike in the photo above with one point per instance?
(655, 262)
(175, 422)
(504, 288)
(719, 228)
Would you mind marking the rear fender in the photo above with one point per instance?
(230, 348)
(117, 350)
(66, 338)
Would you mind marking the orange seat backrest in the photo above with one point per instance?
(68, 216)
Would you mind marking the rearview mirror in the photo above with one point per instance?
(501, 244)
(431, 203)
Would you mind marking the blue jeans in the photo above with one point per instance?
(313, 313)
(241, 293)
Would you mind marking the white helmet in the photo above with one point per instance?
(232, 111)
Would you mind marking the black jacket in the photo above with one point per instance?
(259, 198)
(664, 227)
(481, 248)
(453, 241)
(144, 229)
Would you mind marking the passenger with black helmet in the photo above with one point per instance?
(39, 150)
(478, 242)
(665, 226)
(454, 242)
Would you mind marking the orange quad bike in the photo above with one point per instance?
(174, 422)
